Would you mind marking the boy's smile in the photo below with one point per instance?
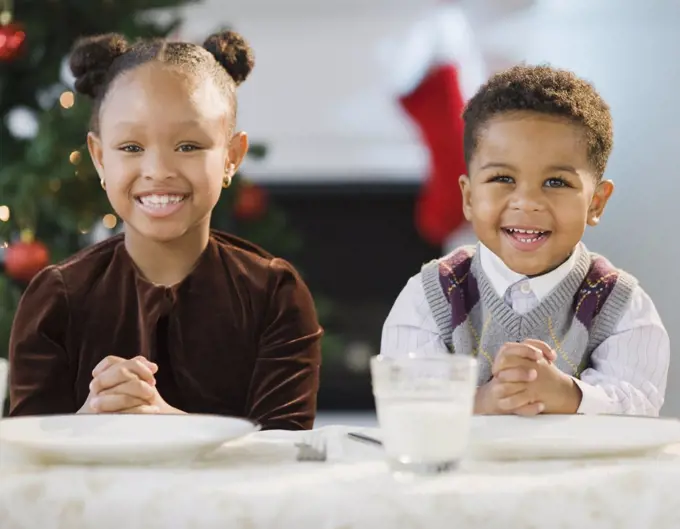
(532, 190)
(526, 239)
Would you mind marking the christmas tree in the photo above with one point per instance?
(51, 202)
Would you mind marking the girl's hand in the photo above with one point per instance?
(124, 386)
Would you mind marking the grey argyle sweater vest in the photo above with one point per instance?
(574, 319)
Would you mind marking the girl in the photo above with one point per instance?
(170, 317)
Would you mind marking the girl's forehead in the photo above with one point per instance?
(159, 91)
(157, 78)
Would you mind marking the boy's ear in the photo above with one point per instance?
(602, 193)
(464, 182)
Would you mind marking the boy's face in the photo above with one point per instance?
(531, 190)
(164, 149)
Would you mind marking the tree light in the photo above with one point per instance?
(109, 221)
(67, 99)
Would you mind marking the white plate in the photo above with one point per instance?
(120, 439)
(569, 436)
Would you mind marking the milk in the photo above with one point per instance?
(424, 430)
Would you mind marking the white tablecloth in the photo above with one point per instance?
(256, 483)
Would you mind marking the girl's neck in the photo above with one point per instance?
(166, 263)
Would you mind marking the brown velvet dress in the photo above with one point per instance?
(238, 336)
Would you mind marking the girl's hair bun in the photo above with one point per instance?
(233, 52)
(91, 58)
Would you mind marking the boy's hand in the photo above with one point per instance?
(533, 387)
(518, 360)
(121, 385)
(556, 390)
(503, 398)
(508, 393)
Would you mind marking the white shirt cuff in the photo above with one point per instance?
(594, 400)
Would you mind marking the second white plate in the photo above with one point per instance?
(569, 436)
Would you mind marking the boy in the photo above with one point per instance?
(556, 329)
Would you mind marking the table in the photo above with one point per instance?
(256, 483)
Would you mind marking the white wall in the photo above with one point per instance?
(318, 98)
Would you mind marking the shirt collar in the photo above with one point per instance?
(502, 278)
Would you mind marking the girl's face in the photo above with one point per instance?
(164, 149)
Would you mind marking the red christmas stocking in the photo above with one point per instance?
(436, 106)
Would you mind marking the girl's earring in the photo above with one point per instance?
(103, 184)
(228, 172)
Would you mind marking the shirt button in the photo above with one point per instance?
(525, 288)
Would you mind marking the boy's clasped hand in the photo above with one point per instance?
(527, 382)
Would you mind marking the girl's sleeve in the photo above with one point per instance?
(283, 390)
(40, 378)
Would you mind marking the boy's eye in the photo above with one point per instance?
(131, 148)
(556, 182)
(187, 147)
(502, 179)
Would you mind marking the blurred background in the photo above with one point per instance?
(354, 109)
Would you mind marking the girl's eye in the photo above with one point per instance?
(187, 148)
(501, 179)
(556, 182)
(131, 148)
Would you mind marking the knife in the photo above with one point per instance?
(364, 438)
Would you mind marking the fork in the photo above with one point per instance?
(313, 448)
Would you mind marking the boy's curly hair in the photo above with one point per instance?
(549, 91)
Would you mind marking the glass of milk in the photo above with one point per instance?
(424, 405)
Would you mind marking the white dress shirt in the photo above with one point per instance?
(627, 373)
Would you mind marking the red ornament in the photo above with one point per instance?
(23, 260)
(12, 37)
(251, 202)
